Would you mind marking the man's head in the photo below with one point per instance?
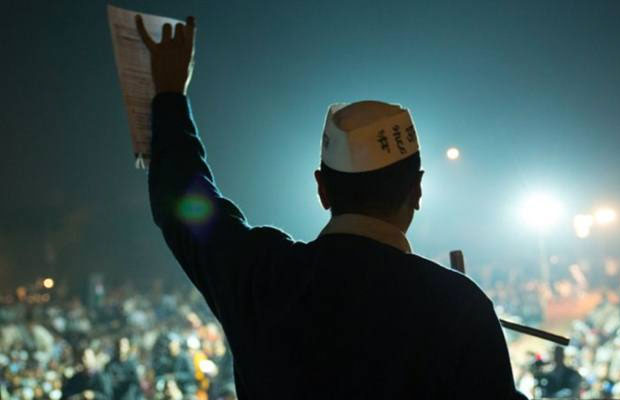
(558, 355)
(88, 358)
(391, 192)
(123, 348)
(174, 346)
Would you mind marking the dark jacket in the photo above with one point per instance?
(97, 382)
(341, 317)
(123, 376)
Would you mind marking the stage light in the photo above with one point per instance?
(48, 283)
(605, 216)
(453, 153)
(582, 224)
(541, 211)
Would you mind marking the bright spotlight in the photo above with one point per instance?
(605, 216)
(582, 224)
(541, 211)
(48, 283)
(453, 153)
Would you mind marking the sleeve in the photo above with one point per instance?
(207, 233)
(484, 365)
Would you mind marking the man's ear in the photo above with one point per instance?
(416, 194)
(321, 191)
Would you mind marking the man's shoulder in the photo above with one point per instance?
(447, 280)
(269, 232)
(265, 234)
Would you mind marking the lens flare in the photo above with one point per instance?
(194, 209)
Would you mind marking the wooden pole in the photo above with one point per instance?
(457, 262)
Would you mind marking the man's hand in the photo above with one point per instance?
(172, 60)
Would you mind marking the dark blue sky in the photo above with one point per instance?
(529, 90)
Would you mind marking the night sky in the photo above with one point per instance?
(528, 90)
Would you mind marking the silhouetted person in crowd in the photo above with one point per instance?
(303, 319)
(122, 372)
(88, 381)
(562, 381)
(171, 362)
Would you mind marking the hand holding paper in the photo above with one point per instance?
(172, 60)
(134, 61)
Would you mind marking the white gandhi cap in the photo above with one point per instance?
(367, 135)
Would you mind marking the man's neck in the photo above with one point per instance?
(401, 220)
(371, 227)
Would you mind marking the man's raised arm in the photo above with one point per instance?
(207, 233)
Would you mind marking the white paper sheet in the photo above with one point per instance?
(134, 71)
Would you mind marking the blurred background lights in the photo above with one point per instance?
(208, 367)
(605, 215)
(541, 211)
(453, 153)
(582, 224)
(193, 342)
(48, 283)
(21, 292)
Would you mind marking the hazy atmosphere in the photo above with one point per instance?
(528, 91)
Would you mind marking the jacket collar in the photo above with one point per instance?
(373, 228)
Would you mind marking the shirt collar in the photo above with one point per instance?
(373, 228)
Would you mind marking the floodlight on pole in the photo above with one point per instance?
(605, 215)
(540, 211)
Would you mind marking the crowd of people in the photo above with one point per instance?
(124, 344)
(589, 367)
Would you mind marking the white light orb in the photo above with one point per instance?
(193, 342)
(453, 153)
(541, 211)
(208, 367)
(605, 216)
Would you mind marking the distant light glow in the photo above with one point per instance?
(193, 342)
(55, 394)
(194, 208)
(453, 153)
(582, 224)
(208, 367)
(21, 292)
(605, 215)
(48, 283)
(541, 211)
